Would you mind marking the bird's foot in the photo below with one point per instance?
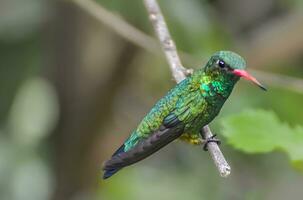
(210, 139)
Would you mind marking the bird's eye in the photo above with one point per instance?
(221, 63)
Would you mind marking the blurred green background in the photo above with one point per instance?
(72, 89)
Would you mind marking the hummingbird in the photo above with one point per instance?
(183, 111)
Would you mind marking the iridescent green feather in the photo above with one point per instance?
(195, 101)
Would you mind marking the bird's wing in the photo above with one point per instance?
(189, 106)
(171, 129)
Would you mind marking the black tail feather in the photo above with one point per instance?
(142, 149)
(109, 172)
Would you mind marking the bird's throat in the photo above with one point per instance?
(215, 85)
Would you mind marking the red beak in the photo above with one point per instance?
(247, 76)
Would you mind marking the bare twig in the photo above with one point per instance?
(216, 154)
(179, 73)
(168, 45)
(139, 38)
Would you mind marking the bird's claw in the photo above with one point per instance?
(210, 139)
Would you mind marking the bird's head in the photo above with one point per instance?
(231, 65)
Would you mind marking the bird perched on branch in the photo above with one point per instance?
(183, 111)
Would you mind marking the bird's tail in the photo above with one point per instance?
(142, 149)
(108, 172)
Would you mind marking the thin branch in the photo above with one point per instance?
(179, 73)
(148, 43)
(168, 45)
(216, 154)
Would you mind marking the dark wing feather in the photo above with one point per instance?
(171, 130)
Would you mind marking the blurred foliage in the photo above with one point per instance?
(32, 117)
(259, 131)
(36, 98)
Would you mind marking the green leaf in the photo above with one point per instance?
(260, 131)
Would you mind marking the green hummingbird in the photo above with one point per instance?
(183, 111)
